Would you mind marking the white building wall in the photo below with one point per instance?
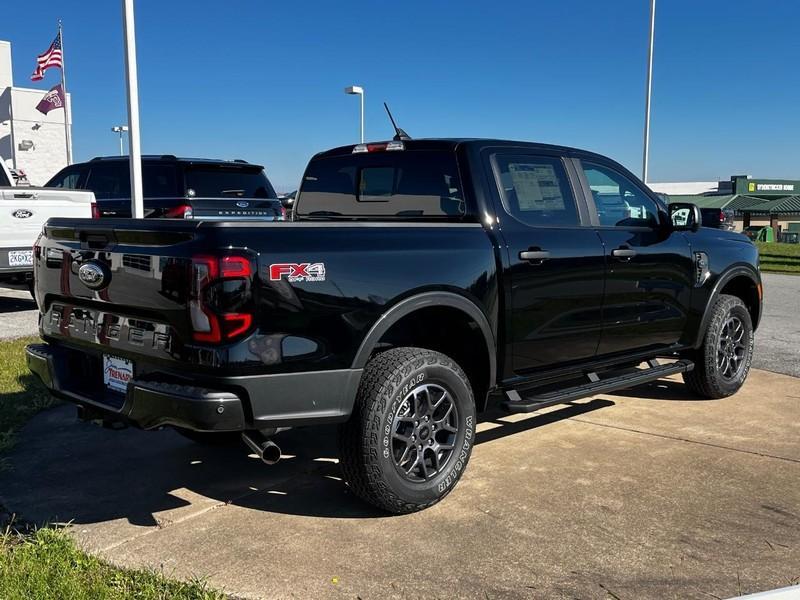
(684, 187)
(29, 140)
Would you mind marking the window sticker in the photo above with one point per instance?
(537, 187)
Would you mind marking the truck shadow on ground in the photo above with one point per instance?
(64, 470)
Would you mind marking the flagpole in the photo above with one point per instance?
(132, 84)
(67, 107)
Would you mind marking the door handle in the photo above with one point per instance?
(623, 253)
(31, 195)
(534, 255)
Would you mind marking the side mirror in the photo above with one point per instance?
(685, 216)
(286, 201)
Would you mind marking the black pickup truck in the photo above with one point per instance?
(420, 283)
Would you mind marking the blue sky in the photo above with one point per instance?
(263, 80)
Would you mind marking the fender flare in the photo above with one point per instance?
(722, 280)
(426, 300)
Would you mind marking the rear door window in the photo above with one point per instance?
(227, 182)
(392, 184)
(536, 190)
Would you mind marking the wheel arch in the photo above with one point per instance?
(741, 281)
(443, 309)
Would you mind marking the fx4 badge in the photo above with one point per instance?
(294, 273)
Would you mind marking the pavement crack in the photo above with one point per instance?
(687, 440)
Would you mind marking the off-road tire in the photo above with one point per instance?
(366, 439)
(706, 379)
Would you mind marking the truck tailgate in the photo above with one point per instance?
(140, 307)
(25, 210)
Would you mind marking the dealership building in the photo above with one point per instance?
(29, 140)
(753, 201)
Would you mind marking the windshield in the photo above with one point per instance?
(228, 182)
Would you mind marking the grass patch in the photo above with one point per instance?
(44, 563)
(47, 565)
(779, 258)
(21, 393)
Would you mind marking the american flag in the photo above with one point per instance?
(50, 58)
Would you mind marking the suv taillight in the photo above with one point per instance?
(95, 211)
(221, 304)
(184, 211)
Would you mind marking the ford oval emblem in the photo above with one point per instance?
(93, 275)
(22, 213)
(242, 204)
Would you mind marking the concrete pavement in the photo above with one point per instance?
(649, 494)
(18, 314)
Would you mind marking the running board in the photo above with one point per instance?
(520, 404)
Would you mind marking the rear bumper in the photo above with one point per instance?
(224, 404)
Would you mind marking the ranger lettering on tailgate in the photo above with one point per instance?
(78, 322)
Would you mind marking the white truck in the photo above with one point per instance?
(23, 211)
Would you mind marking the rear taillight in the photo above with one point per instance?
(221, 303)
(95, 211)
(184, 211)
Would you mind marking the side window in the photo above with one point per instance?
(3, 179)
(68, 179)
(619, 201)
(535, 190)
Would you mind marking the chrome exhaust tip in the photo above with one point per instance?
(267, 450)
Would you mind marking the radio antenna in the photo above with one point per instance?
(399, 134)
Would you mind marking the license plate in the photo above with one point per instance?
(20, 258)
(117, 372)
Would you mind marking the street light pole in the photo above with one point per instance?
(135, 153)
(356, 90)
(648, 92)
(120, 129)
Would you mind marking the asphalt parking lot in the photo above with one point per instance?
(647, 494)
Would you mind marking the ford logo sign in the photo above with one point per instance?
(242, 204)
(22, 213)
(93, 275)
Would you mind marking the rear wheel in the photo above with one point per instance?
(411, 432)
(723, 361)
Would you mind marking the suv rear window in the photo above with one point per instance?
(228, 182)
(399, 184)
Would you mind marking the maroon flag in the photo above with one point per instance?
(49, 58)
(52, 100)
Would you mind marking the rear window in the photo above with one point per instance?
(228, 182)
(400, 184)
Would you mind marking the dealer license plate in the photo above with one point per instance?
(117, 372)
(20, 258)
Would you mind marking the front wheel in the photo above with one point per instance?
(723, 361)
(411, 432)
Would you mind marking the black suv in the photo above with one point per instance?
(182, 188)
